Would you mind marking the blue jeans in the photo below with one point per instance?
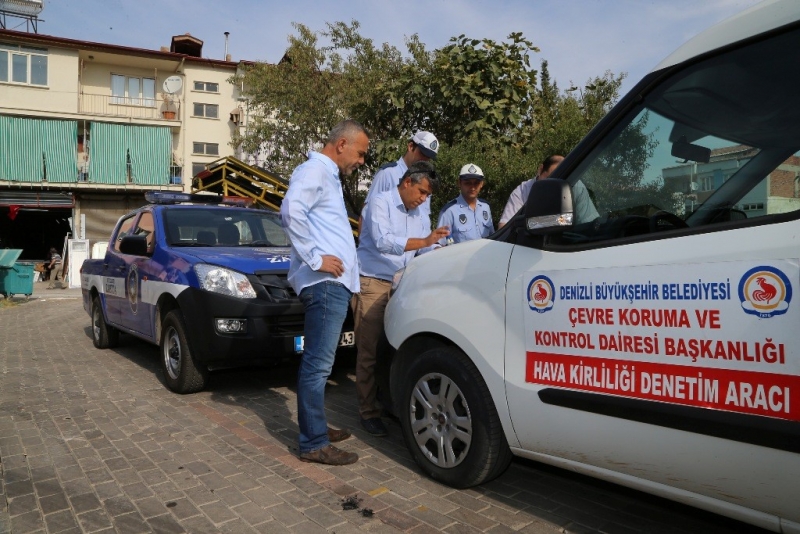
(326, 308)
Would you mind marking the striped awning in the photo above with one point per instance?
(38, 150)
(37, 199)
(122, 153)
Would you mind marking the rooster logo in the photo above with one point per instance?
(540, 294)
(765, 291)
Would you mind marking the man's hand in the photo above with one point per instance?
(436, 235)
(332, 265)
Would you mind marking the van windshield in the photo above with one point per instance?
(718, 141)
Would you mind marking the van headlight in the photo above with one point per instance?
(224, 281)
(396, 277)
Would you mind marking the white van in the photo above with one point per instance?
(636, 321)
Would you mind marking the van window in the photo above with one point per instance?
(715, 143)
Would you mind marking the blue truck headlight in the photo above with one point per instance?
(224, 281)
(231, 326)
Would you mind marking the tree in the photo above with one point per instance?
(478, 96)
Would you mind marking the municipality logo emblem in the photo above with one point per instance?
(133, 288)
(485, 215)
(765, 291)
(472, 169)
(541, 294)
(462, 219)
(434, 145)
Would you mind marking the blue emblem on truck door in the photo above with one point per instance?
(132, 287)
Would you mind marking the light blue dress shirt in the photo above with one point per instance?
(386, 179)
(314, 217)
(386, 228)
(464, 222)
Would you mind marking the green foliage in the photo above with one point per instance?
(479, 97)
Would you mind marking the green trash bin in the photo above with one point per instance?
(16, 277)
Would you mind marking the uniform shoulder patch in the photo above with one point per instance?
(388, 165)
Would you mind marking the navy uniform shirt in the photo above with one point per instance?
(466, 224)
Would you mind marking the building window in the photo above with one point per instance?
(210, 111)
(705, 183)
(755, 206)
(132, 91)
(209, 149)
(23, 64)
(197, 168)
(206, 87)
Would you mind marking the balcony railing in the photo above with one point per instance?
(135, 108)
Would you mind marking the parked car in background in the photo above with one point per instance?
(636, 321)
(204, 278)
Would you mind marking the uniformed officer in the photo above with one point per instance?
(467, 216)
(423, 146)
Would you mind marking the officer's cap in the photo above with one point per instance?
(427, 143)
(470, 171)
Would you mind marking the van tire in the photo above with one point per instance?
(465, 419)
(103, 335)
(181, 372)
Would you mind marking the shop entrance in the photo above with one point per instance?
(34, 230)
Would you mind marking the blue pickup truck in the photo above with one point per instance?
(204, 278)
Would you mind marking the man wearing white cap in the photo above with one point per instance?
(467, 216)
(423, 146)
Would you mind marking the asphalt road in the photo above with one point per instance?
(92, 441)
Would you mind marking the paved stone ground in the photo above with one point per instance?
(92, 441)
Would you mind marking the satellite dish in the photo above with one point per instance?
(173, 85)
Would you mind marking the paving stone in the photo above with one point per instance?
(85, 502)
(218, 512)
(22, 505)
(105, 441)
(130, 524)
(53, 503)
(94, 520)
(60, 521)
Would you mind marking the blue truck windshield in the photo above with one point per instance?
(212, 226)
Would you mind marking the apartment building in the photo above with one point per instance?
(695, 182)
(86, 128)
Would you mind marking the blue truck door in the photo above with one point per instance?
(114, 273)
(136, 308)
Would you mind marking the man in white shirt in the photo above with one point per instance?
(520, 195)
(396, 228)
(324, 274)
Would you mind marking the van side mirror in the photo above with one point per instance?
(549, 207)
(135, 245)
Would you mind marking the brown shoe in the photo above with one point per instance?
(329, 455)
(335, 436)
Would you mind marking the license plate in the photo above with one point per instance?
(347, 339)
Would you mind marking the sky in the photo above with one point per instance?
(580, 39)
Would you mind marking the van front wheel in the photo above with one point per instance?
(450, 423)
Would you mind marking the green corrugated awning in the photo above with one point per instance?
(122, 153)
(38, 149)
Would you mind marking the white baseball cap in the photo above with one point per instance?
(427, 143)
(470, 171)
